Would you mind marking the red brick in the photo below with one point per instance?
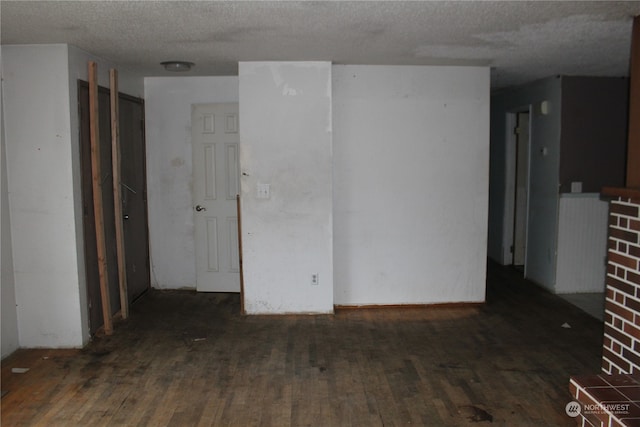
(621, 286)
(611, 269)
(634, 251)
(624, 223)
(615, 347)
(606, 367)
(633, 277)
(617, 335)
(627, 236)
(632, 330)
(584, 398)
(631, 357)
(622, 247)
(608, 318)
(624, 365)
(594, 417)
(613, 220)
(620, 209)
(612, 244)
(615, 423)
(623, 260)
(599, 419)
(633, 305)
(617, 323)
(616, 370)
(634, 224)
(573, 389)
(621, 311)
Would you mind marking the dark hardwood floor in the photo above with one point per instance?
(187, 359)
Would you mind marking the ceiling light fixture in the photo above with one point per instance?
(177, 65)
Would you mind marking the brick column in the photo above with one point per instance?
(621, 348)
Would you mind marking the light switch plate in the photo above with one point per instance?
(576, 187)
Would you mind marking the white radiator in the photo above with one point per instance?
(582, 243)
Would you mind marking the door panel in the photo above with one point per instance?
(134, 195)
(212, 244)
(216, 184)
(209, 154)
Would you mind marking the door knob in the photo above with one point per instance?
(200, 208)
(125, 216)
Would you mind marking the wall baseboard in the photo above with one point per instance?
(408, 306)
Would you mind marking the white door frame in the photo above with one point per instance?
(510, 184)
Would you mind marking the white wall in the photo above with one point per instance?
(285, 141)
(168, 103)
(582, 243)
(411, 164)
(8, 296)
(41, 199)
(543, 178)
(43, 171)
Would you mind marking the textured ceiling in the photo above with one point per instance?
(521, 41)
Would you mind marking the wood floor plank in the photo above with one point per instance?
(184, 358)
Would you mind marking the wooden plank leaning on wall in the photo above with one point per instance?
(240, 255)
(96, 179)
(117, 193)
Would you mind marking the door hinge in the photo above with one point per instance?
(516, 130)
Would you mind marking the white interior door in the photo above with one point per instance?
(522, 189)
(214, 130)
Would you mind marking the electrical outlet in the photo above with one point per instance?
(314, 279)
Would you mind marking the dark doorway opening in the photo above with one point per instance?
(521, 196)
